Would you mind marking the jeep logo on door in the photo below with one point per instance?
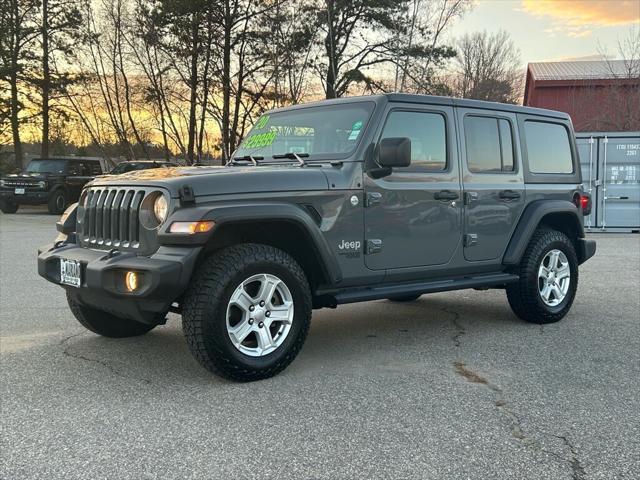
(350, 249)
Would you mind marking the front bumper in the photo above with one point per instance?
(165, 276)
(33, 197)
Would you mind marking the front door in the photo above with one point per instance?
(492, 180)
(413, 215)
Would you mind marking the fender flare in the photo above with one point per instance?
(246, 212)
(529, 222)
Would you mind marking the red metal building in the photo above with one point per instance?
(599, 95)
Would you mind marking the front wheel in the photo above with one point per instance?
(104, 323)
(8, 207)
(548, 279)
(57, 202)
(247, 311)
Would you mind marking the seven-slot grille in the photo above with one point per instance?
(110, 217)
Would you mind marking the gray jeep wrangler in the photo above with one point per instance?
(334, 202)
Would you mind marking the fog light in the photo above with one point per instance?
(132, 281)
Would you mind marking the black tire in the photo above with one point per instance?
(404, 298)
(8, 207)
(58, 202)
(524, 296)
(205, 307)
(106, 324)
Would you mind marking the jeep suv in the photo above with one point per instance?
(55, 182)
(328, 203)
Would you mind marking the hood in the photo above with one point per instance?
(224, 180)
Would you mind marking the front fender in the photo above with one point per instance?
(246, 212)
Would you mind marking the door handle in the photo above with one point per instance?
(446, 195)
(508, 195)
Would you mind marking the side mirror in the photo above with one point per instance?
(394, 152)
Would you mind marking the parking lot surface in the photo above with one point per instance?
(450, 386)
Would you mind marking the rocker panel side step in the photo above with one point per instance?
(386, 291)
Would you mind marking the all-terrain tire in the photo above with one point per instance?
(57, 202)
(106, 324)
(524, 296)
(404, 298)
(204, 310)
(8, 207)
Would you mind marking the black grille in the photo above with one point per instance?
(21, 184)
(110, 217)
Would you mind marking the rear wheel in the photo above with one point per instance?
(8, 207)
(57, 202)
(247, 311)
(106, 324)
(548, 278)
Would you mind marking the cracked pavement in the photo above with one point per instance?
(450, 386)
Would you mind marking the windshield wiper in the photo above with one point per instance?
(294, 156)
(246, 158)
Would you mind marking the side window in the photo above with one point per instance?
(489, 144)
(93, 168)
(428, 138)
(74, 168)
(548, 147)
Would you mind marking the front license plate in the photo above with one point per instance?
(70, 273)
(19, 191)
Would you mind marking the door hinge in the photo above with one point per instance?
(470, 239)
(186, 195)
(374, 245)
(470, 197)
(373, 198)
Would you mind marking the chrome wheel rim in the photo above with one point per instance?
(60, 202)
(259, 315)
(554, 278)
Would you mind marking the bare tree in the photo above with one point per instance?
(488, 68)
(19, 30)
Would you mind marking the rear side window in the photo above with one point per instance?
(428, 136)
(489, 143)
(548, 147)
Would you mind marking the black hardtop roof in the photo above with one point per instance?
(62, 157)
(436, 100)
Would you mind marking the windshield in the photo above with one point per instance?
(131, 166)
(46, 166)
(329, 131)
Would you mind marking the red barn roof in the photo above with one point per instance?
(598, 95)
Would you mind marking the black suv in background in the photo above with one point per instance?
(56, 182)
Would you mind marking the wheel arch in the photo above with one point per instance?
(288, 227)
(559, 215)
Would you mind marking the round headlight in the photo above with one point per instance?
(42, 184)
(160, 208)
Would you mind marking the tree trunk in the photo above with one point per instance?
(193, 100)
(14, 102)
(46, 80)
(226, 87)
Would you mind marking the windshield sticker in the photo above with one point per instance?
(262, 122)
(260, 140)
(355, 130)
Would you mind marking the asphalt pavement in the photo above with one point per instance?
(450, 386)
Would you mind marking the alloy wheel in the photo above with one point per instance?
(259, 315)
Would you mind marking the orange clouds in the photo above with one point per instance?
(575, 17)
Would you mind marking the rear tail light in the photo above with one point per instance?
(584, 203)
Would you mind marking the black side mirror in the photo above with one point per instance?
(394, 152)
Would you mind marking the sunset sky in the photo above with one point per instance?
(548, 30)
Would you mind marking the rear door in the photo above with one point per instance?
(493, 181)
(413, 215)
